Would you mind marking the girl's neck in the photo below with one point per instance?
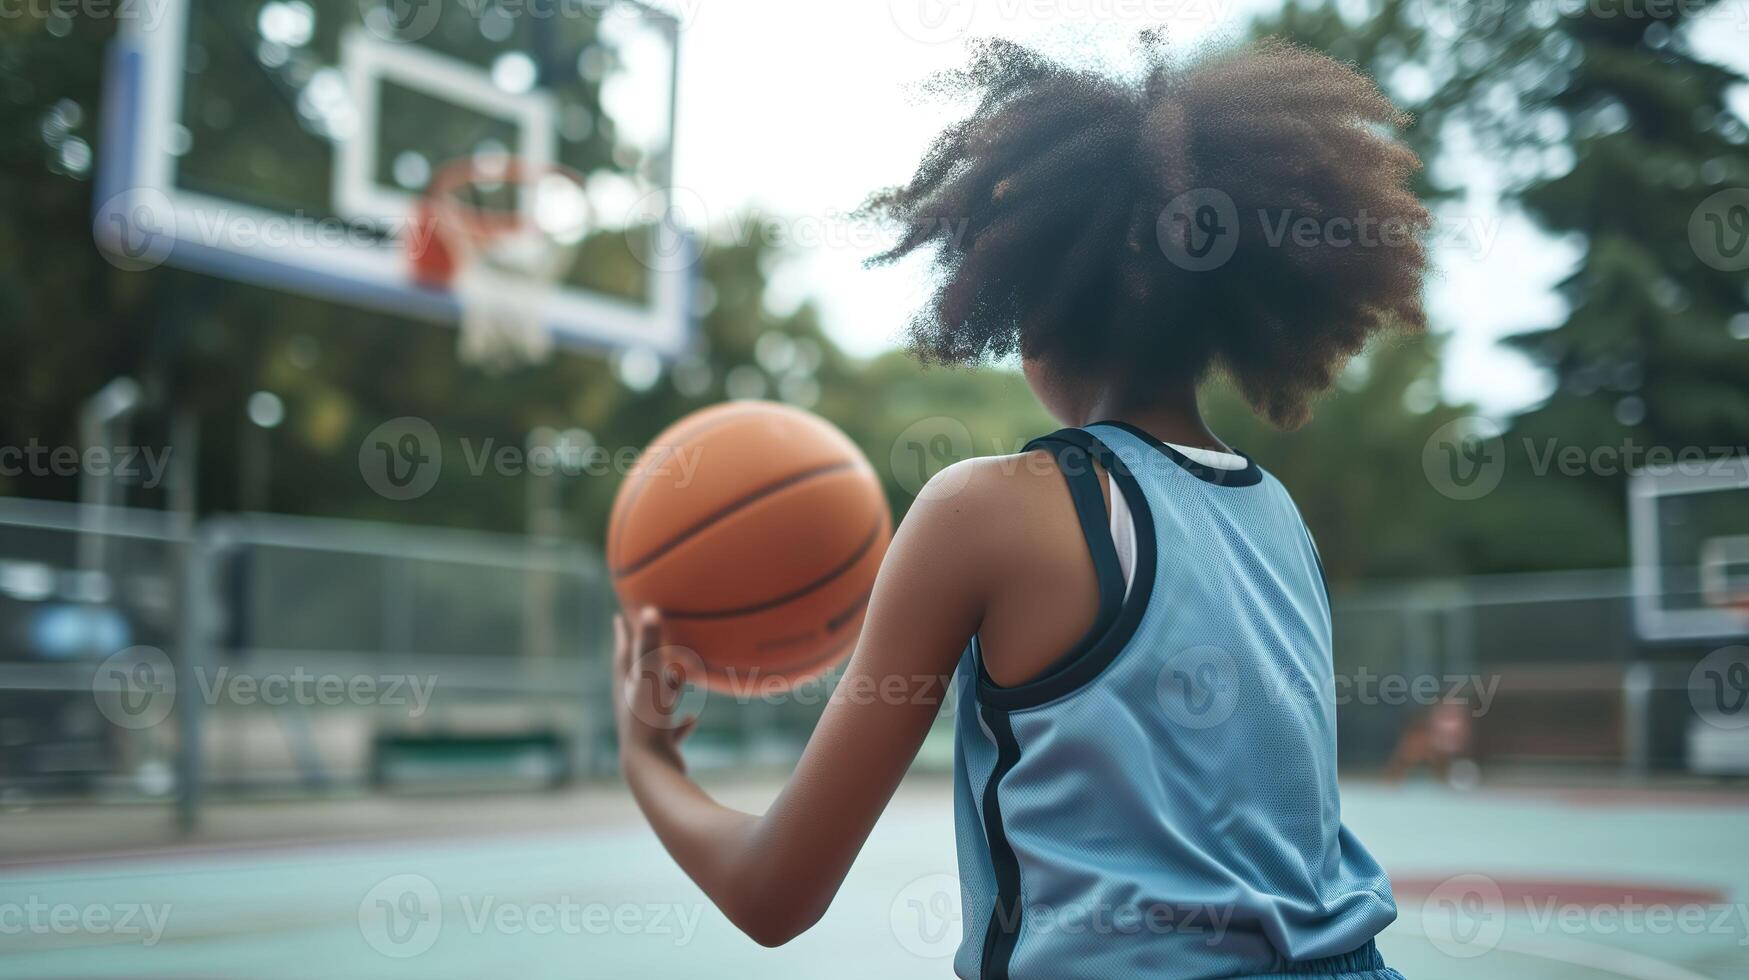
(1173, 416)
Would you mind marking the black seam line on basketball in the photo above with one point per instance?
(834, 652)
(789, 597)
(690, 432)
(837, 650)
(729, 508)
(835, 623)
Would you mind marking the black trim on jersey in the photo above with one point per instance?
(1251, 475)
(1318, 559)
(1105, 641)
(1003, 931)
(1076, 464)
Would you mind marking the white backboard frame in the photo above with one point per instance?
(369, 63)
(233, 240)
(1652, 618)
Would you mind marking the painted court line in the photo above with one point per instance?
(1579, 952)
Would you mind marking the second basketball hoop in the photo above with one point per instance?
(499, 233)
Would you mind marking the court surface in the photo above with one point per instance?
(1499, 883)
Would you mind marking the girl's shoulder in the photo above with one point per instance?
(1000, 490)
(1012, 524)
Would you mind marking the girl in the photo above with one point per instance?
(1133, 613)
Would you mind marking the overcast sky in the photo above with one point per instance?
(798, 108)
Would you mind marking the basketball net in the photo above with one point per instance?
(500, 234)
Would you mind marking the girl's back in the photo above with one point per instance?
(1164, 793)
(1146, 718)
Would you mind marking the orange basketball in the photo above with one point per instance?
(756, 529)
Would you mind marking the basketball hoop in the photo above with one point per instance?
(499, 233)
(1724, 574)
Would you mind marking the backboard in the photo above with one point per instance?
(286, 143)
(1689, 527)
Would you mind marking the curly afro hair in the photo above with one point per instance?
(1246, 213)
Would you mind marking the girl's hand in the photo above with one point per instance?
(649, 683)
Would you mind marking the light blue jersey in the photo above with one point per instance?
(1162, 802)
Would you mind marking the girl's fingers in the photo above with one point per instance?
(649, 629)
(621, 646)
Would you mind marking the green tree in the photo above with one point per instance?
(54, 290)
(1610, 131)
(1649, 171)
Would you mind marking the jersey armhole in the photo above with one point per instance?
(1123, 593)
(1077, 466)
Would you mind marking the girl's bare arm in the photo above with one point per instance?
(774, 875)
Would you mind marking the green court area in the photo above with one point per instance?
(1500, 882)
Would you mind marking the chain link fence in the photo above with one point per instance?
(269, 654)
(260, 654)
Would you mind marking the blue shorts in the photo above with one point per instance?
(1364, 963)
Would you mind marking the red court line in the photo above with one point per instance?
(1596, 796)
(1569, 891)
